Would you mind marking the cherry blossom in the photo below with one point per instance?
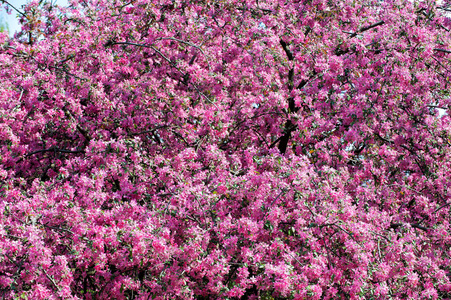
(226, 150)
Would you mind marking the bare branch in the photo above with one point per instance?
(367, 28)
(286, 49)
(442, 50)
(18, 11)
(68, 58)
(189, 44)
(147, 131)
(443, 206)
(54, 149)
(396, 225)
(51, 280)
(110, 43)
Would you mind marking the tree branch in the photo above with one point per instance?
(442, 50)
(396, 225)
(112, 43)
(147, 131)
(286, 49)
(367, 28)
(54, 149)
(51, 280)
(189, 44)
(18, 11)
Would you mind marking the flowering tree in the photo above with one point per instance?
(226, 150)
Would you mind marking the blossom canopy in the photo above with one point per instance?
(168, 149)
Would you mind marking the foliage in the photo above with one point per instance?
(226, 149)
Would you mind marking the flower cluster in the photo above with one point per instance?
(155, 149)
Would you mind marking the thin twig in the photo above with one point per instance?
(382, 236)
(110, 43)
(367, 28)
(4, 1)
(443, 206)
(54, 149)
(147, 131)
(58, 228)
(189, 44)
(341, 228)
(68, 58)
(51, 280)
(67, 72)
(441, 64)
(396, 225)
(275, 199)
(403, 186)
(384, 139)
(258, 133)
(21, 93)
(442, 50)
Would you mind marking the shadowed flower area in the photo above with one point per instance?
(169, 149)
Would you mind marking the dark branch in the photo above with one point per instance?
(68, 58)
(54, 149)
(147, 131)
(276, 141)
(396, 225)
(286, 49)
(367, 28)
(442, 50)
(339, 51)
(6, 2)
(289, 126)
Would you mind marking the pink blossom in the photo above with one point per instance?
(187, 150)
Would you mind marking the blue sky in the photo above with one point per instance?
(12, 20)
